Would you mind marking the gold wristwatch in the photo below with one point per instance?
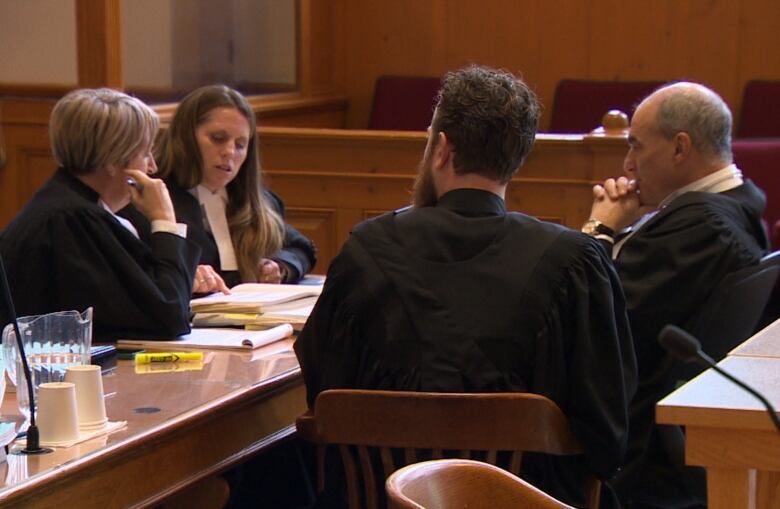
(596, 228)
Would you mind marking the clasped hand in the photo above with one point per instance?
(616, 203)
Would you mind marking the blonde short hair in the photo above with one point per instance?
(94, 128)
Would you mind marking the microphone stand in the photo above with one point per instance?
(707, 361)
(33, 438)
(683, 346)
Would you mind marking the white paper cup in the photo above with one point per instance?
(57, 421)
(90, 403)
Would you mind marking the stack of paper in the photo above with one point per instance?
(253, 298)
(257, 306)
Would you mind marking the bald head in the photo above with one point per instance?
(696, 110)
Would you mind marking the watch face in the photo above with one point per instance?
(594, 227)
(590, 227)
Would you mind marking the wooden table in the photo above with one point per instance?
(729, 432)
(182, 426)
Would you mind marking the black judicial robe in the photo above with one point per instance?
(668, 268)
(465, 297)
(298, 252)
(64, 251)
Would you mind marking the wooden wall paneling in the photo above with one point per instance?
(351, 195)
(319, 225)
(620, 50)
(326, 117)
(99, 42)
(400, 37)
(29, 162)
(542, 41)
(721, 43)
(560, 52)
(758, 36)
(341, 150)
(705, 47)
(320, 46)
(360, 191)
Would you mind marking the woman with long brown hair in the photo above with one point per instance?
(210, 160)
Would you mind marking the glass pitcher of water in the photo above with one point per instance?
(52, 342)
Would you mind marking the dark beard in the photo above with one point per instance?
(424, 191)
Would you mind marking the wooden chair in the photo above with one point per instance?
(425, 425)
(457, 483)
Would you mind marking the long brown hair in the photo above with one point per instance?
(256, 229)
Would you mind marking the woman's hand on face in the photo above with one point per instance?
(150, 196)
(207, 280)
(271, 271)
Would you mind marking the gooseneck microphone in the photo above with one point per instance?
(33, 438)
(687, 348)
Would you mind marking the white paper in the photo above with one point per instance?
(217, 338)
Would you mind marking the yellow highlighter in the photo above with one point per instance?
(150, 357)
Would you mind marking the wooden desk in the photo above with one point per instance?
(207, 420)
(765, 343)
(729, 432)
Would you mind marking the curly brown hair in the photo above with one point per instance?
(490, 117)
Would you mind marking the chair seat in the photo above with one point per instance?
(455, 483)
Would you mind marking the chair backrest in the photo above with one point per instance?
(423, 425)
(759, 160)
(456, 483)
(760, 110)
(403, 103)
(579, 105)
(732, 313)
(729, 316)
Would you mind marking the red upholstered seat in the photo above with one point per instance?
(403, 103)
(760, 115)
(579, 104)
(759, 160)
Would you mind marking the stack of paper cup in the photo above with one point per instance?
(57, 421)
(89, 396)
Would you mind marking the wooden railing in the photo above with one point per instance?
(331, 179)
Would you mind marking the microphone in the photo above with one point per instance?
(687, 348)
(33, 438)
